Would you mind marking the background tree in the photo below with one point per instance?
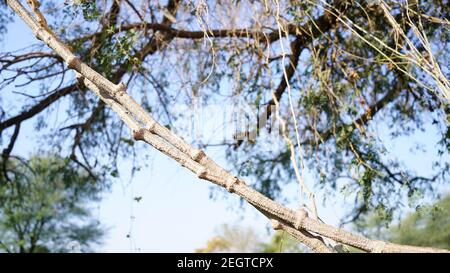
(45, 207)
(427, 226)
(245, 239)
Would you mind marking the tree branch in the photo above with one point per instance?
(307, 32)
(362, 120)
(37, 108)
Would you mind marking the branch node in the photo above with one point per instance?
(120, 89)
(73, 157)
(139, 134)
(276, 225)
(230, 183)
(152, 127)
(73, 62)
(202, 173)
(197, 155)
(39, 33)
(300, 216)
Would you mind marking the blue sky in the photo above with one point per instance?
(176, 213)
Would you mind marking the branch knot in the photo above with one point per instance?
(151, 127)
(276, 225)
(300, 216)
(120, 89)
(197, 155)
(230, 183)
(202, 172)
(73, 62)
(139, 134)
